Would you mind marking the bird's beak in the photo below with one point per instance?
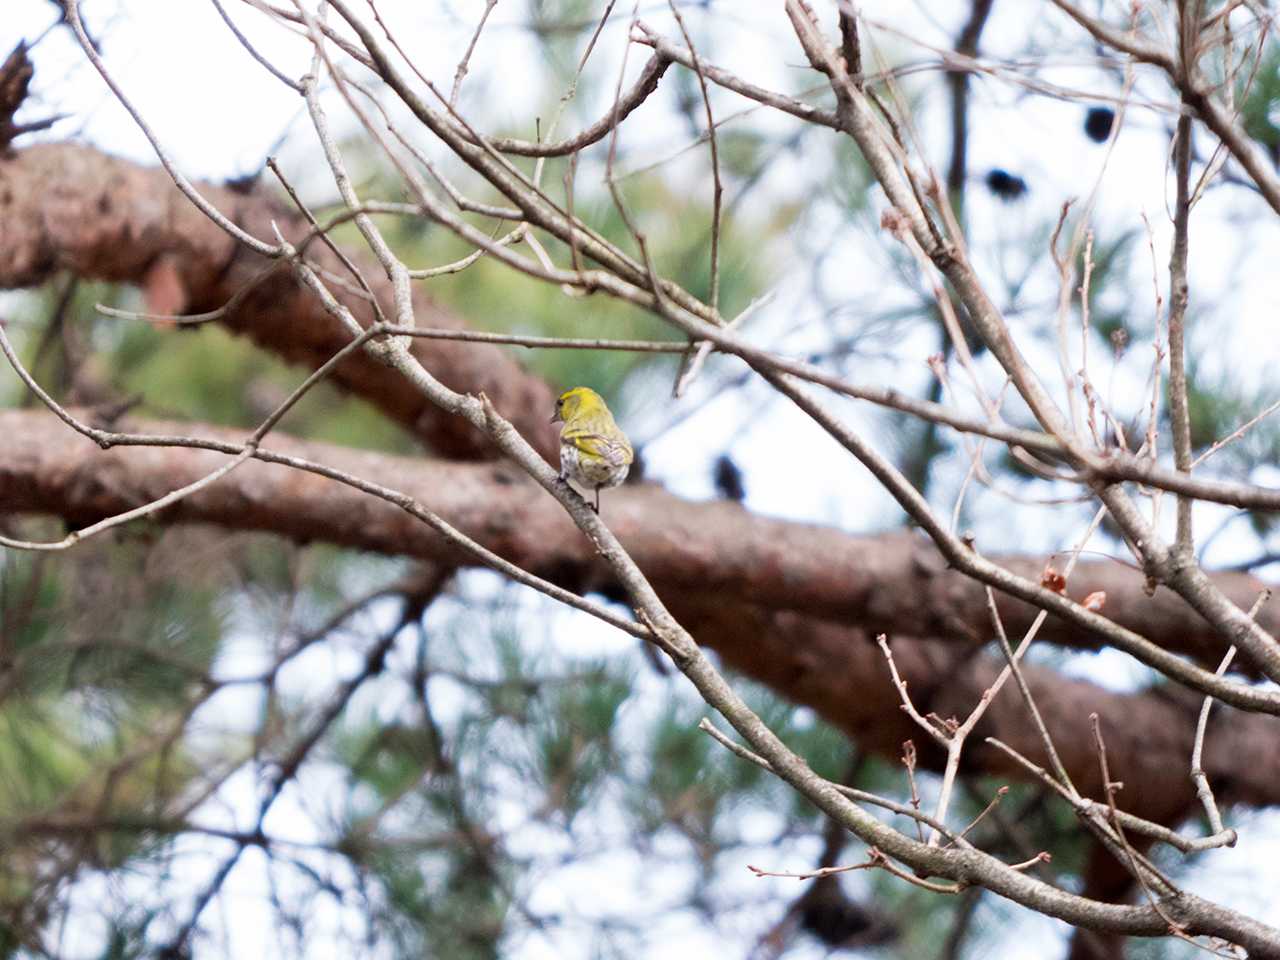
(556, 418)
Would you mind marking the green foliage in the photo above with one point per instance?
(194, 372)
(127, 936)
(1218, 406)
(825, 748)
(146, 648)
(56, 768)
(39, 761)
(86, 679)
(388, 757)
(53, 331)
(457, 913)
(741, 151)
(581, 752)
(1259, 106)
(573, 730)
(699, 788)
(204, 373)
(684, 785)
(560, 26)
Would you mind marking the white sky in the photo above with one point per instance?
(219, 113)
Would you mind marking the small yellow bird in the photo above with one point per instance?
(594, 452)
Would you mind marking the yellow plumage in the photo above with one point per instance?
(594, 452)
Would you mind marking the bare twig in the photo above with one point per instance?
(1086, 807)
(995, 801)
(72, 10)
(717, 190)
(909, 764)
(1237, 433)
(1179, 412)
(876, 859)
(78, 536)
(1203, 792)
(461, 70)
(928, 725)
(723, 78)
(253, 52)
(1140, 867)
(107, 439)
(1196, 94)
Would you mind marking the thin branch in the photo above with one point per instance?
(1179, 411)
(1124, 42)
(637, 94)
(1188, 580)
(928, 725)
(457, 266)
(876, 859)
(962, 557)
(1086, 807)
(253, 52)
(1203, 792)
(1012, 660)
(461, 71)
(553, 343)
(1148, 653)
(107, 439)
(695, 360)
(909, 759)
(723, 78)
(964, 865)
(717, 190)
(78, 536)
(861, 796)
(849, 45)
(1142, 869)
(72, 10)
(1215, 116)
(817, 874)
(308, 86)
(460, 201)
(995, 802)
(570, 92)
(288, 16)
(1236, 434)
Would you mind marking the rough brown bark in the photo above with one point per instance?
(741, 564)
(893, 583)
(70, 207)
(64, 206)
(840, 672)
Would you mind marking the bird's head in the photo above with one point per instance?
(576, 403)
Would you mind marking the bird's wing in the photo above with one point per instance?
(614, 450)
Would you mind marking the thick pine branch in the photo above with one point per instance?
(70, 207)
